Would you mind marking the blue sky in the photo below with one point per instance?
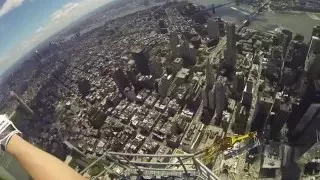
(25, 20)
(24, 23)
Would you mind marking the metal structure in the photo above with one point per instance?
(10, 168)
(178, 164)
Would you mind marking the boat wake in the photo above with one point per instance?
(313, 16)
(243, 12)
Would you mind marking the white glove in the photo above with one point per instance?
(7, 130)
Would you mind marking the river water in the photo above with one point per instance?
(298, 22)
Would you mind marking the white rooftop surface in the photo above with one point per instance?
(270, 160)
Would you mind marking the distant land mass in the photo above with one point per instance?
(71, 29)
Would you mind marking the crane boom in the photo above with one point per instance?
(235, 139)
(212, 151)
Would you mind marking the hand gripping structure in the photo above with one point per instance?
(7, 130)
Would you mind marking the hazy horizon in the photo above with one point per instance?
(24, 24)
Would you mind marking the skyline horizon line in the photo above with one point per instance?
(69, 12)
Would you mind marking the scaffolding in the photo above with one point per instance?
(139, 165)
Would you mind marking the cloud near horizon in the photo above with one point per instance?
(64, 11)
(9, 5)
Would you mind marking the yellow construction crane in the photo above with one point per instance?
(212, 151)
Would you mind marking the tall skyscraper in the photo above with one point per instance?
(162, 23)
(196, 41)
(156, 67)
(220, 98)
(209, 74)
(230, 54)
(84, 87)
(177, 65)
(130, 94)
(188, 53)
(141, 58)
(287, 39)
(209, 94)
(238, 83)
(305, 133)
(205, 97)
(174, 41)
(276, 53)
(281, 116)
(131, 73)
(192, 54)
(312, 64)
(164, 85)
(120, 79)
(97, 117)
(296, 54)
(212, 99)
(213, 29)
(247, 93)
